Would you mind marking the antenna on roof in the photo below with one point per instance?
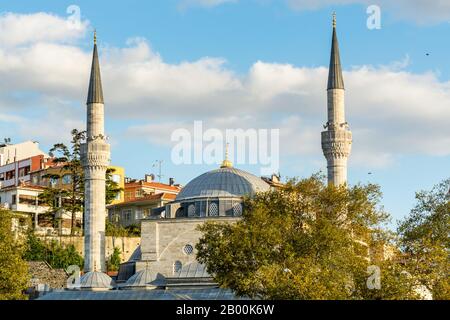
(158, 163)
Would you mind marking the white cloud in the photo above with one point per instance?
(392, 112)
(22, 29)
(421, 11)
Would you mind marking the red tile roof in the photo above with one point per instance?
(153, 197)
(157, 185)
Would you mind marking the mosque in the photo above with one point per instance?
(164, 265)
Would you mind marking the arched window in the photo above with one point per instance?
(177, 265)
(180, 213)
(213, 210)
(191, 210)
(237, 209)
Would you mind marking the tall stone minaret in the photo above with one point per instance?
(95, 157)
(337, 139)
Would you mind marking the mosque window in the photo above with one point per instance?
(177, 265)
(188, 249)
(213, 210)
(237, 209)
(191, 210)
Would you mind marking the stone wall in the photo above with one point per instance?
(164, 242)
(127, 245)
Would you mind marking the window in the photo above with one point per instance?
(14, 199)
(26, 199)
(10, 175)
(213, 210)
(138, 193)
(191, 210)
(67, 179)
(117, 197)
(188, 249)
(24, 171)
(177, 266)
(237, 209)
(2, 176)
(126, 214)
(138, 214)
(53, 181)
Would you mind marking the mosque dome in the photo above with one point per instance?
(145, 279)
(95, 280)
(224, 182)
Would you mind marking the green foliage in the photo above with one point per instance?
(133, 230)
(56, 255)
(72, 200)
(425, 240)
(299, 243)
(113, 262)
(116, 230)
(68, 200)
(14, 275)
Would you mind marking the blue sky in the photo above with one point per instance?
(257, 64)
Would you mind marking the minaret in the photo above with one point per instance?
(95, 157)
(337, 140)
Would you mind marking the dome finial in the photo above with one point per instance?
(334, 19)
(226, 163)
(95, 36)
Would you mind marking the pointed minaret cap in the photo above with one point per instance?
(335, 79)
(226, 163)
(95, 94)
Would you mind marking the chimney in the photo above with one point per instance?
(149, 177)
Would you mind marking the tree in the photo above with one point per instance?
(71, 200)
(301, 243)
(14, 275)
(56, 255)
(425, 240)
(113, 262)
(116, 230)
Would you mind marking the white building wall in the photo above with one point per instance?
(20, 151)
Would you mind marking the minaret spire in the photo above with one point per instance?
(337, 139)
(95, 158)
(95, 94)
(335, 79)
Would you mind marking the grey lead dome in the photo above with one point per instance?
(223, 182)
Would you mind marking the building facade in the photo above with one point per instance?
(130, 213)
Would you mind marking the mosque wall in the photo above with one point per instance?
(169, 244)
